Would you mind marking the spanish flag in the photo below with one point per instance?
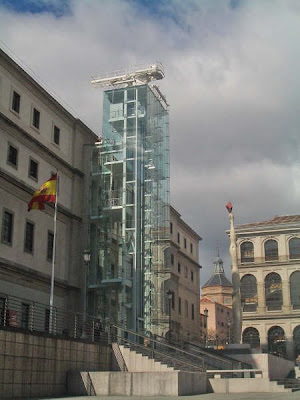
(46, 193)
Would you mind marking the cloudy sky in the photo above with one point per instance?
(232, 81)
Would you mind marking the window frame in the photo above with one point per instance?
(33, 115)
(16, 112)
(9, 243)
(35, 178)
(28, 250)
(243, 258)
(8, 162)
(47, 254)
(55, 127)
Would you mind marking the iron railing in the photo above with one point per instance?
(23, 314)
(156, 348)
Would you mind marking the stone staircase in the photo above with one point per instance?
(289, 383)
(145, 359)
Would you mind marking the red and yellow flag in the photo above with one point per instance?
(46, 193)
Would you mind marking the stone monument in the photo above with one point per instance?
(236, 295)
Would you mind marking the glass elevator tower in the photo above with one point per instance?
(129, 210)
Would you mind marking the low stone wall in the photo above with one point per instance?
(273, 367)
(34, 365)
(174, 383)
(245, 385)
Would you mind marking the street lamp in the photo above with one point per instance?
(205, 326)
(170, 297)
(229, 331)
(86, 259)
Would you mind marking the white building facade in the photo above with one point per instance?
(269, 267)
(39, 137)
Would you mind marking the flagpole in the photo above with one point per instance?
(53, 258)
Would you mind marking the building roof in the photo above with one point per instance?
(218, 278)
(277, 220)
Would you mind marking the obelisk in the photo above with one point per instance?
(236, 283)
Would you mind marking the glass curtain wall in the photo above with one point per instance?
(129, 210)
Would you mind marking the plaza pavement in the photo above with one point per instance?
(209, 396)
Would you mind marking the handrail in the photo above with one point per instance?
(156, 342)
(153, 350)
(207, 353)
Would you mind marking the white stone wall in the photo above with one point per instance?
(16, 189)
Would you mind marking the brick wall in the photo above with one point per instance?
(35, 365)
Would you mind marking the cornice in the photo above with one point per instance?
(10, 266)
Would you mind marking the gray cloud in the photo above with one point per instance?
(232, 82)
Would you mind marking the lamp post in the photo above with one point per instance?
(86, 260)
(229, 331)
(205, 321)
(170, 297)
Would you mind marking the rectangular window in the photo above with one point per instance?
(184, 243)
(29, 237)
(192, 276)
(2, 310)
(36, 118)
(186, 307)
(172, 259)
(179, 268)
(47, 320)
(191, 248)
(193, 311)
(185, 272)
(50, 246)
(171, 228)
(178, 237)
(33, 169)
(25, 316)
(16, 101)
(7, 227)
(173, 301)
(179, 305)
(56, 135)
(12, 155)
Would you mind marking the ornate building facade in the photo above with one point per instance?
(269, 268)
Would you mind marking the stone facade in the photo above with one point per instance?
(219, 322)
(38, 137)
(35, 365)
(269, 268)
(185, 279)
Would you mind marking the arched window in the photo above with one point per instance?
(247, 252)
(277, 341)
(296, 340)
(249, 293)
(294, 248)
(273, 291)
(251, 336)
(271, 250)
(295, 290)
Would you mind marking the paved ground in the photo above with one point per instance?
(210, 396)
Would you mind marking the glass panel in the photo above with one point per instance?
(249, 293)
(271, 250)
(247, 252)
(295, 290)
(294, 248)
(273, 291)
(277, 341)
(251, 336)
